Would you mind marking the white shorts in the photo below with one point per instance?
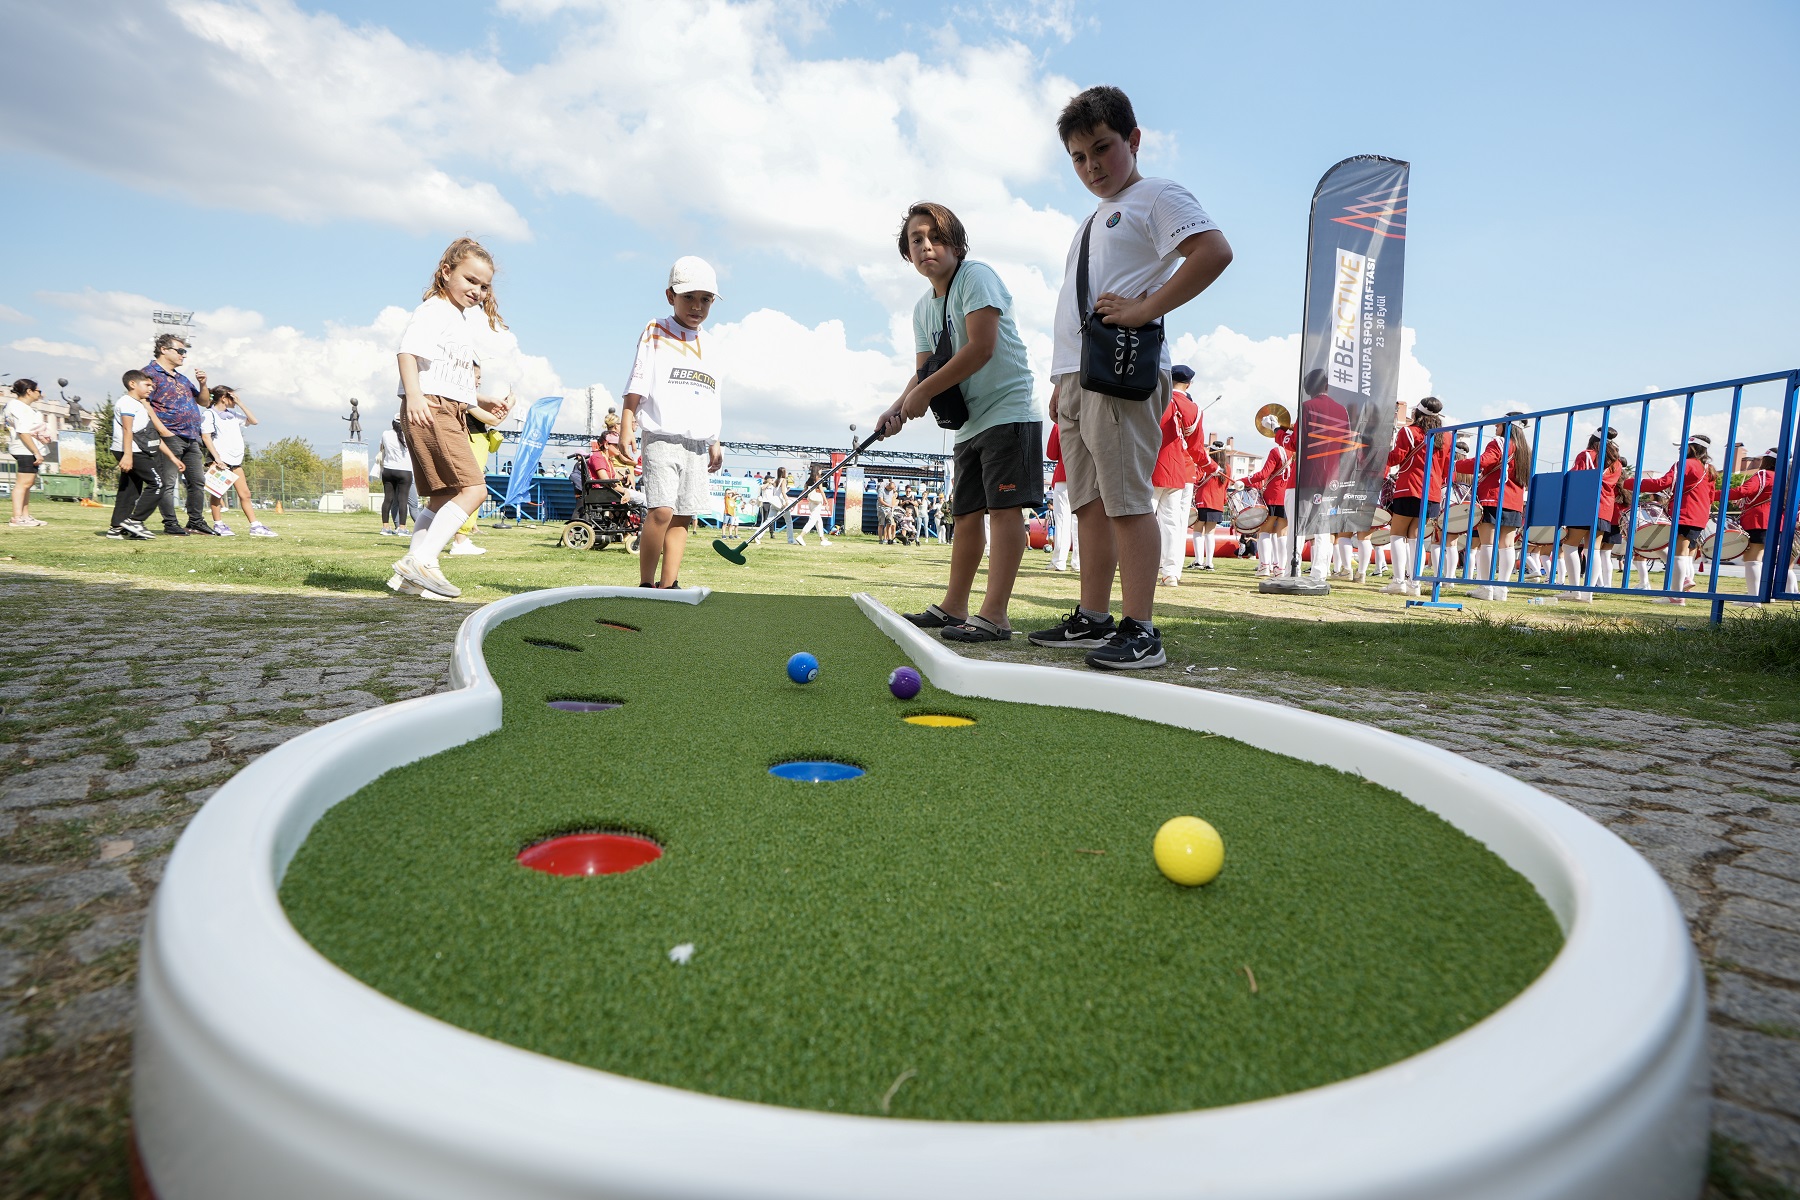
(675, 474)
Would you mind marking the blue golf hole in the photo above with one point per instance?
(815, 772)
(583, 705)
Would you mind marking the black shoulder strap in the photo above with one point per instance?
(1081, 272)
(947, 288)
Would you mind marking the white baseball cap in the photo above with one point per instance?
(692, 274)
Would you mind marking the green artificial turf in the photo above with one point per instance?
(981, 909)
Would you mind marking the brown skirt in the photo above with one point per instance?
(441, 455)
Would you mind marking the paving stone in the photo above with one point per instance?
(1747, 908)
(1773, 1141)
(12, 1031)
(81, 887)
(1751, 1002)
(1773, 888)
(1757, 1069)
(1779, 863)
(107, 933)
(180, 754)
(96, 1014)
(12, 965)
(1759, 948)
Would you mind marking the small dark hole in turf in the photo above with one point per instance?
(619, 625)
(569, 705)
(816, 771)
(590, 854)
(552, 644)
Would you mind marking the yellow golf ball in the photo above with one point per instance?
(1189, 851)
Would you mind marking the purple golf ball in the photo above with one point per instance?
(905, 683)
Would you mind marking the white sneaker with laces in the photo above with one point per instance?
(258, 529)
(222, 529)
(465, 549)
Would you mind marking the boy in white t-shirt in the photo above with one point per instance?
(137, 438)
(222, 433)
(1136, 234)
(673, 398)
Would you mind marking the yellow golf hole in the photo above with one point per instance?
(938, 720)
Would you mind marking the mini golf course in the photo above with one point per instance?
(978, 911)
(388, 956)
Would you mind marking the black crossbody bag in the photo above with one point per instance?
(948, 408)
(1115, 360)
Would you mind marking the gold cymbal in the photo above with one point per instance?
(1272, 417)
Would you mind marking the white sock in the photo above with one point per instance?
(1452, 561)
(1684, 571)
(1752, 576)
(1793, 581)
(421, 519)
(1264, 555)
(1402, 559)
(1371, 560)
(1509, 558)
(1571, 566)
(1206, 548)
(1603, 575)
(431, 539)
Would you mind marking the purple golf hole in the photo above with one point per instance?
(590, 854)
(816, 771)
(584, 705)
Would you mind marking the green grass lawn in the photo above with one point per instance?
(980, 909)
(1626, 653)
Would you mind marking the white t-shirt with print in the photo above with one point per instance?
(143, 433)
(439, 336)
(20, 417)
(680, 388)
(225, 426)
(1131, 251)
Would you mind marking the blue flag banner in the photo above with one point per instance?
(1350, 348)
(532, 440)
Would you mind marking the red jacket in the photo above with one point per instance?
(1697, 491)
(1588, 460)
(1754, 493)
(1487, 483)
(1409, 455)
(1053, 452)
(1210, 491)
(1276, 475)
(1183, 444)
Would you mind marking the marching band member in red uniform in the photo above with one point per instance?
(1570, 570)
(1502, 507)
(1699, 489)
(1172, 478)
(1209, 506)
(1275, 477)
(1408, 504)
(1754, 495)
(1062, 517)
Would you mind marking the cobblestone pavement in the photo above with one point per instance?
(113, 733)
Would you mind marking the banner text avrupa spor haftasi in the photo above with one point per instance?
(1350, 346)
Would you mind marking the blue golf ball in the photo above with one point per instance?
(904, 683)
(803, 668)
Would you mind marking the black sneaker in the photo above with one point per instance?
(115, 533)
(176, 531)
(136, 532)
(1132, 647)
(1077, 632)
(200, 527)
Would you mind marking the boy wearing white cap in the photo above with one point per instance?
(673, 398)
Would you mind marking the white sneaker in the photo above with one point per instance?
(1412, 587)
(465, 549)
(1481, 593)
(222, 529)
(258, 529)
(822, 540)
(1396, 588)
(427, 578)
(412, 589)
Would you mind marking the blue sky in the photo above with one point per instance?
(1602, 195)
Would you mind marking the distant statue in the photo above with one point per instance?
(355, 419)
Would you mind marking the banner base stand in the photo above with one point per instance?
(1301, 585)
(1434, 604)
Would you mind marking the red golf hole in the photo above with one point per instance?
(590, 854)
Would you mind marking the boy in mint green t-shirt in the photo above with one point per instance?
(1000, 449)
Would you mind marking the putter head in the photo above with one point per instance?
(725, 551)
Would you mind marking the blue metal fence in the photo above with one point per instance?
(1568, 500)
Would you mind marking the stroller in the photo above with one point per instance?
(906, 524)
(605, 512)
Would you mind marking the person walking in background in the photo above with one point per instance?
(1172, 478)
(222, 433)
(137, 440)
(1062, 516)
(26, 435)
(765, 508)
(178, 402)
(394, 462)
(887, 510)
(813, 505)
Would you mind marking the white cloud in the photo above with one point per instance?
(13, 316)
(55, 349)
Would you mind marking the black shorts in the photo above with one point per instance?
(1408, 506)
(28, 463)
(1690, 532)
(1277, 510)
(1755, 536)
(1209, 516)
(1000, 468)
(1510, 518)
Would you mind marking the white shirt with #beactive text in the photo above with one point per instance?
(1131, 251)
(680, 389)
(439, 336)
(225, 426)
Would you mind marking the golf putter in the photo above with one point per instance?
(736, 553)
